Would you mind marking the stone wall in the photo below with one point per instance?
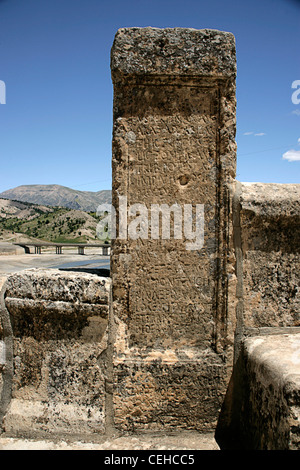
(270, 240)
(261, 408)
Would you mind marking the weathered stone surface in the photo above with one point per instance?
(177, 51)
(262, 410)
(58, 388)
(6, 362)
(259, 411)
(173, 143)
(59, 324)
(52, 284)
(270, 241)
(2, 363)
(165, 391)
(51, 304)
(271, 199)
(183, 440)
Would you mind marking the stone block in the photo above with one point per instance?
(270, 241)
(59, 324)
(262, 407)
(169, 391)
(173, 147)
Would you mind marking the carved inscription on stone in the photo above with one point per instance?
(170, 136)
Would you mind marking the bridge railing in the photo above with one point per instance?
(59, 246)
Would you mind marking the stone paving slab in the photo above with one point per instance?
(184, 441)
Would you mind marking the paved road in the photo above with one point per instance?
(16, 263)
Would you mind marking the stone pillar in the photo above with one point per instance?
(173, 154)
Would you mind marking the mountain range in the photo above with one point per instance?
(58, 196)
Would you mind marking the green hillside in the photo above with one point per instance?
(53, 224)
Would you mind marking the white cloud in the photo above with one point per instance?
(252, 133)
(296, 111)
(299, 141)
(292, 155)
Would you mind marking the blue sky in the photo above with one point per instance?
(56, 125)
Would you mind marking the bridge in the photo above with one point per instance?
(59, 246)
